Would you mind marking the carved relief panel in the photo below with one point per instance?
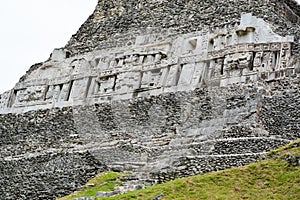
(128, 81)
(186, 75)
(285, 55)
(4, 100)
(173, 75)
(76, 90)
(81, 66)
(30, 94)
(257, 62)
(268, 62)
(216, 68)
(106, 84)
(151, 78)
(103, 63)
(236, 64)
(139, 58)
(57, 93)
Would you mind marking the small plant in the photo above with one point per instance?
(271, 178)
(106, 181)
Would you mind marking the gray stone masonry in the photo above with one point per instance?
(158, 89)
(114, 22)
(168, 136)
(245, 52)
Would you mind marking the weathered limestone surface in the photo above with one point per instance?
(46, 176)
(244, 52)
(113, 23)
(162, 89)
(170, 135)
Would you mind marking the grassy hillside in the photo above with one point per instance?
(103, 182)
(276, 177)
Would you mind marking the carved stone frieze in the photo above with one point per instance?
(240, 53)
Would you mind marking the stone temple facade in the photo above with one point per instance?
(161, 89)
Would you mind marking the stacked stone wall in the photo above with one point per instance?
(48, 153)
(118, 22)
(280, 112)
(293, 5)
(190, 166)
(46, 176)
(37, 161)
(168, 136)
(35, 131)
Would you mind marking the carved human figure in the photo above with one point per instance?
(268, 61)
(216, 68)
(230, 62)
(37, 93)
(264, 61)
(257, 61)
(132, 80)
(284, 55)
(283, 58)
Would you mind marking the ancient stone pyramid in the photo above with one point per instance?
(161, 89)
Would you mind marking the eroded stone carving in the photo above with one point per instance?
(216, 68)
(106, 84)
(239, 53)
(30, 95)
(234, 64)
(4, 100)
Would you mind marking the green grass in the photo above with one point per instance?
(106, 181)
(272, 178)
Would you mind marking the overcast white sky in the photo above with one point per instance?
(31, 29)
